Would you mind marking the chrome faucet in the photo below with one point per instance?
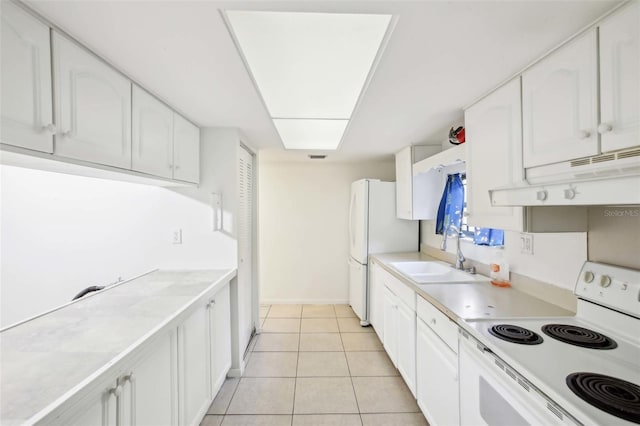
(459, 256)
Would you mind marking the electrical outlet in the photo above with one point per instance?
(526, 244)
(177, 236)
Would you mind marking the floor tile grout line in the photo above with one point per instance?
(353, 388)
(295, 381)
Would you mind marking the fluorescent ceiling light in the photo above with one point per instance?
(310, 134)
(309, 65)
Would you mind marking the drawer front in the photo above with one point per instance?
(400, 289)
(446, 329)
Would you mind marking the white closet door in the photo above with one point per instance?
(93, 107)
(245, 237)
(26, 105)
(620, 79)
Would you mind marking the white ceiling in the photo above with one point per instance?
(441, 56)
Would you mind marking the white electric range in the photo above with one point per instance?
(576, 370)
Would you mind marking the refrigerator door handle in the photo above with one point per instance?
(351, 219)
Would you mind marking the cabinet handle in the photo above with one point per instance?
(132, 396)
(117, 391)
(541, 195)
(584, 134)
(433, 321)
(51, 128)
(569, 194)
(604, 128)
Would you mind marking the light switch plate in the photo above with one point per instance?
(526, 243)
(177, 236)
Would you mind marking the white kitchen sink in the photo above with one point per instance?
(424, 272)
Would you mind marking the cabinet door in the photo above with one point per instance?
(404, 184)
(93, 107)
(26, 104)
(194, 368)
(152, 135)
(186, 150)
(389, 324)
(406, 341)
(559, 106)
(376, 304)
(220, 316)
(437, 378)
(620, 79)
(149, 392)
(100, 410)
(494, 156)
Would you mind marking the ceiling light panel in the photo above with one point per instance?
(310, 134)
(309, 65)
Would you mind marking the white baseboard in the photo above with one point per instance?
(304, 302)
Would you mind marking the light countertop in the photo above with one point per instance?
(47, 356)
(471, 301)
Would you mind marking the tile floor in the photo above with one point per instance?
(315, 365)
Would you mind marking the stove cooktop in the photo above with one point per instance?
(552, 363)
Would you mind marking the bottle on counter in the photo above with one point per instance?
(499, 270)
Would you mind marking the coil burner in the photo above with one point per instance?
(615, 396)
(515, 334)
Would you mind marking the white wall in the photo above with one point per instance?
(303, 217)
(557, 257)
(61, 233)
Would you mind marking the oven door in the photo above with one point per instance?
(493, 394)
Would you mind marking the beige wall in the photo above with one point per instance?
(614, 235)
(303, 228)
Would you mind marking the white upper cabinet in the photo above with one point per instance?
(414, 194)
(152, 135)
(559, 104)
(186, 150)
(620, 79)
(93, 107)
(494, 156)
(26, 106)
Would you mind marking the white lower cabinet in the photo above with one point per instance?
(390, 320)
(149, 391)
(437, 378)
(406, 332)
(204, 351)
(193, 353)
(172, 381)
(376, 304)
(144, 393)
(399, 320)
(220, 344)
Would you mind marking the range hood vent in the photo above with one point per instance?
(605, 179)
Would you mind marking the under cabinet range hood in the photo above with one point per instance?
(605, 179)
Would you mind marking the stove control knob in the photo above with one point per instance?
(588, 276)
(605, 281)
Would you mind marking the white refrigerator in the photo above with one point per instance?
(374, 228)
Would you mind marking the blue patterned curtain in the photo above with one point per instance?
(451, 204)
(489, 237)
